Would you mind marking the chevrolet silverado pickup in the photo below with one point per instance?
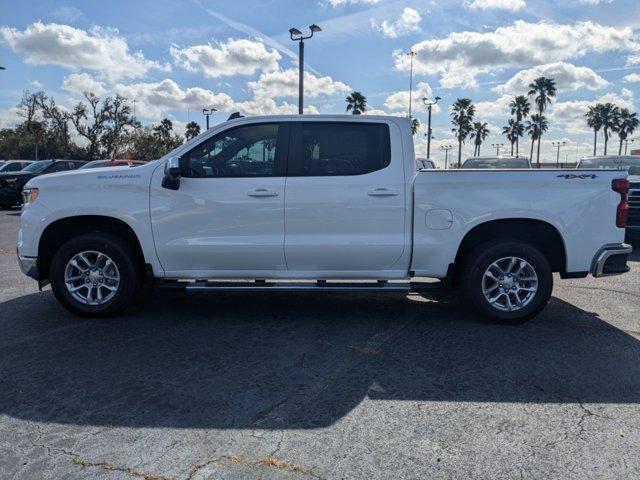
(324, 203)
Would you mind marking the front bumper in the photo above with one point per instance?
(611, 260)
(29, 266)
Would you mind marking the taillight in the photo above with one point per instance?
(621, 185)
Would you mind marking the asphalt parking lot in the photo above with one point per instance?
(305, 386)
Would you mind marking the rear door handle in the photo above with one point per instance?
(383, 192)
(263, 192)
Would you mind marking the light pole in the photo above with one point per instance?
(558, 144)
(296, 36)
(411, 55)
(429, 104)
(626, 144)
(497, 146)
(207, 112)
(446, 149)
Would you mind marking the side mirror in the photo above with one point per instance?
(172, 173)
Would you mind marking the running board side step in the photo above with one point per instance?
(320, 285)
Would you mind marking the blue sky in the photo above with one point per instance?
(176, 57)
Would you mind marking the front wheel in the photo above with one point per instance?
(95, 275)
(507, 282)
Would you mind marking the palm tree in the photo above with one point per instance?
(543, 90)
(480, 132)
(609, 121)
(415, 125)
(192, 130)
(511, 132)
(520, 108)
(462, 118)
(594, 121)
(627, 124)
(535, 128)
(356, 103)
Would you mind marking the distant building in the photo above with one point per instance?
(635, 152)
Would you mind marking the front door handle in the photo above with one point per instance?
(263, 192)
(383, 192)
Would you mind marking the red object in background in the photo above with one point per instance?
(112, 163)
(635, 152)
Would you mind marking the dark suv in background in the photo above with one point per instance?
(11, 183)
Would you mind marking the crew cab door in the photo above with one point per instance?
(345, 199)
(227, 217)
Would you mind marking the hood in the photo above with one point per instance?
(92, 176)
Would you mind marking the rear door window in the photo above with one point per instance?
(338, 148)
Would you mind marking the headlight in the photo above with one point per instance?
(29, 195)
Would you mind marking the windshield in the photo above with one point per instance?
(96, 164)
(615, 163)
(496, 163)
(37, 167)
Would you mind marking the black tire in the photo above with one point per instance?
(479, 260)
(5, 206)
(125, 260)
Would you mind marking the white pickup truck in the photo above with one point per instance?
(324, 203)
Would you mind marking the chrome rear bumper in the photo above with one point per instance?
(611, 260)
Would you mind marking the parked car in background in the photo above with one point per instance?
(112, 163)
(631, 163)
(500, 162)
(13, 165)
(324, 203)
(425, 163)
(11, 183)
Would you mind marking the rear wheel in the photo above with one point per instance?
(95, 275)
(507, 282)
(5, 206)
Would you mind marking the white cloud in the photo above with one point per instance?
(67, 14)
(511, 5)
(234, 57)
(497, 109)
(338, 3)
(461, 56)
(82, 82)
(408, 22)
(154, 99)
(37, 84)
(284, 83)
(567, 77)
(570, 115)
(375, 111)
(9, 118)
(632, 78)
(268, 106)
(399, 101)
(99, 49)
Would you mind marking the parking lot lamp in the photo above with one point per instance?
(497, 146)
(297, 36)
(558, 145)
(446, 149)
(207, 112)
(626, 144)
(429, 104)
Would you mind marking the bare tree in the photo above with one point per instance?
(120, 117)
(58, 121)
(91, 121)
(29, 108)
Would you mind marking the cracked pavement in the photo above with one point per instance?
(302, 386)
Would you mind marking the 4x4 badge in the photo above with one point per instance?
(573, 176)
